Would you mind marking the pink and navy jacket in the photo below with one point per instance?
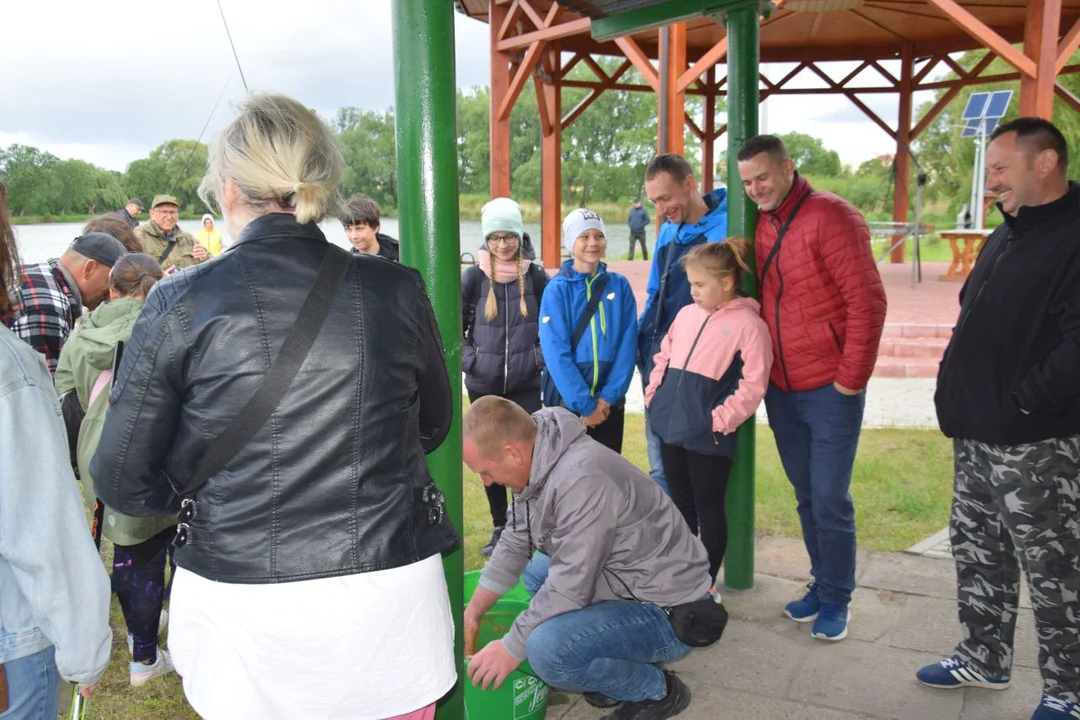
(709, 376)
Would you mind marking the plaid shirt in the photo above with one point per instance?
(49, 310)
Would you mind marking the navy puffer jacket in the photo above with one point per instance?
(502, 355)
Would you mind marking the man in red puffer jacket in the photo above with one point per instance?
(824, 304)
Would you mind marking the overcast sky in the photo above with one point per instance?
(107, 81)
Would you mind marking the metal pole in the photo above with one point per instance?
(980, 181)
(743, 97)
(429, 227)
(975, 183)
(665, 105)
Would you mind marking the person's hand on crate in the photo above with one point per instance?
(492, 665)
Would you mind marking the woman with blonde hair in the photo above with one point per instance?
(281, 399)
(500, 308)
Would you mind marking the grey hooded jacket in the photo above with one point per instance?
(610, 531)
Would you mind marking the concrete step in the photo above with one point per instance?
(918, 347)
(906, 367)
(914, 330)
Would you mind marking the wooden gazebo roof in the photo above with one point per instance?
(823, 30)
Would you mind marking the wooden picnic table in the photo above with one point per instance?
(963, 258)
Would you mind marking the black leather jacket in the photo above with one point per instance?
(332, 484)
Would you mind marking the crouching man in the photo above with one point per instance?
(621, 584)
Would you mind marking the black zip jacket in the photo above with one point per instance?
(333, 483)
(1016, 344)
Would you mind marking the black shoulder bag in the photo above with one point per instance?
(272, 389)
(699, 623)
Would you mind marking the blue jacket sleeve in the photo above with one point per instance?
(555, 334)
(667, 230)
(622, 370)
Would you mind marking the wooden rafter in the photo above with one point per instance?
(637, 56)
(950, 93)
(555, 32)
(698, 132)
(850, 94)
(816, 26)
(520, 77)
(851, 75)
(511, 20)
(1069, 98)
(885, 73)
(597, 70)
(553, 14)
(871, 21)
(925, 16)
(589, 99)
(527, 8)
(933, 63)
(1068, 45)
(986, 35)
(578, 57)
(715, 54)
(956, 68)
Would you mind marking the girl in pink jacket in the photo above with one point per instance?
(709, 377)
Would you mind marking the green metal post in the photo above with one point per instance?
(742, 66)
(426, 131)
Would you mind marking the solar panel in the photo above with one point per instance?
(999, 103)
(991, 124)
(971, 129)
(976, 106)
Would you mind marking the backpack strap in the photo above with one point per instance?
(595, 298)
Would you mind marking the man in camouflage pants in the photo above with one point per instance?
(1009, 395)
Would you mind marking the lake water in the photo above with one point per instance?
(38, 243)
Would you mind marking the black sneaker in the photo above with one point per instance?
(676, 700)
(600, 701)
(490, 547)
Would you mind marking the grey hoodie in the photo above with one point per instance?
(610, 531)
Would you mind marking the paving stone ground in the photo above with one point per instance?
(903, 616)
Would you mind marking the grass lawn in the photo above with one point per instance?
(902, 490)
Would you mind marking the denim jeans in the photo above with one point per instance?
(817, 434)
(656, 463)
(610, 648)
(33, 687)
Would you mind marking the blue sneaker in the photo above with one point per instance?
(806, 609)
(954, 673)
(1053, 709)
(832, 622)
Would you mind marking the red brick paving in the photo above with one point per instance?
(918, 324)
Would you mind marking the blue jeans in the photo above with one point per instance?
(656, 463)
(817, 434)
(609, 648)
(33, 686)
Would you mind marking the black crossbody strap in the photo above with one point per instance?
(782, 233)
(593, 305)
(169, 245)
(274, 385)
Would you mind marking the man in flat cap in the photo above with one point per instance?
(164, 241)
(131, 212)
(52, 294)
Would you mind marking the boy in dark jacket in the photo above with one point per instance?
(361, 221)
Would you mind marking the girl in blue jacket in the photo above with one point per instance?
(588, 333)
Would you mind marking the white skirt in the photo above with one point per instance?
(365, 647)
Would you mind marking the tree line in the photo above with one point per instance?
(604, 153)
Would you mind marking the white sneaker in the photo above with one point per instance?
(142, 673)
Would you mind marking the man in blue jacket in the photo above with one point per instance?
(690, 220)
(639, 220)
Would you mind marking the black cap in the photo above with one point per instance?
(137, 203)
(99, 247)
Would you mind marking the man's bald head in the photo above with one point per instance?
(498, 442)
